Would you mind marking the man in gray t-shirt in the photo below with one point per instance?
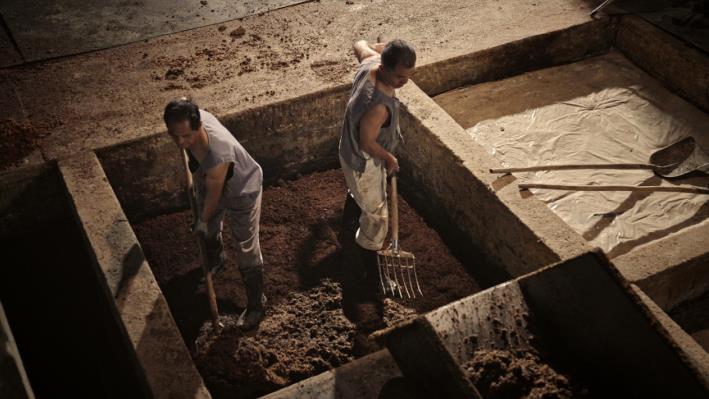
(370, 134)
(227, 182)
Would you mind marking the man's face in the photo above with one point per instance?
(182, 134)
(398, 77)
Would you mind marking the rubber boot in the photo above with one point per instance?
(370, 318)
(254, 313)
(369, 309)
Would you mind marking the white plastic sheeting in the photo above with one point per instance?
(623, 124)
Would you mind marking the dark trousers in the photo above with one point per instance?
(362, 300)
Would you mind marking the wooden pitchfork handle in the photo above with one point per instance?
(394, 215)
(211, 295)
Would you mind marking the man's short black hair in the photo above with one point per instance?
(182, 109)
(398, 52)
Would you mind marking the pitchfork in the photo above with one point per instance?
(395, 262)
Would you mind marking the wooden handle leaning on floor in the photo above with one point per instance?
(394, 213)
(576, 166)
(674, 189)
(211, 295)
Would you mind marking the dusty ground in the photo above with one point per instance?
(19, 138)
(299, 223)
(501, 374)
(107, 97)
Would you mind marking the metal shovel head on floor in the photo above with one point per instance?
(676, 160)
(397, 268)
(680, 158)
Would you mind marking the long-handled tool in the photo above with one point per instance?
(211, 295)
(393, 262)
(674, 161)
(645, 189)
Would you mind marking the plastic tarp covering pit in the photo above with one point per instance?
(624, 124)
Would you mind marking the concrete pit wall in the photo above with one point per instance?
(621, 345)
(534, 52)
(518, 234)
(144, 322)
(675, 269)
(287, 138)
(683, 68)
(68, 342)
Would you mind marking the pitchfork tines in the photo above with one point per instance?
(394, 263)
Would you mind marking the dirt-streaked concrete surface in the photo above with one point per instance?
(106, 97)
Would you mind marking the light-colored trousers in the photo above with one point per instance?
(369, 191)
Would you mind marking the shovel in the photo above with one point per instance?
(211, 295)
(674, 161)
(393, 262)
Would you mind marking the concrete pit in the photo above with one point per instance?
(306, 331)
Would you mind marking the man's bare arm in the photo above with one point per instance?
(369, 127)
(364, 50)
(214, 184)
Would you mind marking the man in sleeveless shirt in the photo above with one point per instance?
(228, 182)
(370, 134)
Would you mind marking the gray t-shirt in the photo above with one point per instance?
(245, 176)
(364, 97)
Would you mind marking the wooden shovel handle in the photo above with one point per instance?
(211, 295)
(394, 212)
(576, 166)
(674, 189)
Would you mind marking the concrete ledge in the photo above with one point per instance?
(689, 351)
(360, 379)
(123, 273)
(533, 52)
(681, 67)
(519, 234)
(672, 270)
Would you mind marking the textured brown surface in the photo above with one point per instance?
(20, 138)
(302, 336)
(499, 374)
(299, 224)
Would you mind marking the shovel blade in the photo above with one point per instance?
(681, 158)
